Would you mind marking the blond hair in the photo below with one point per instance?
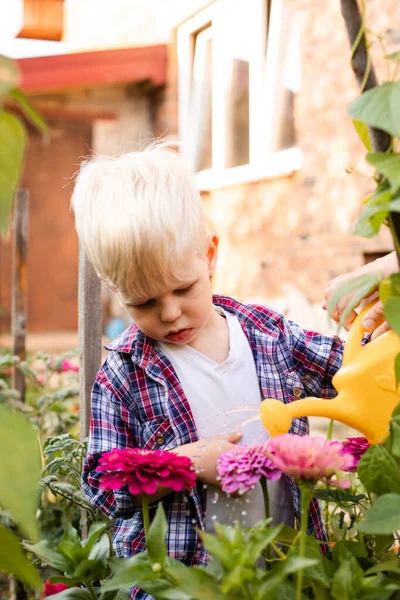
(138, 216)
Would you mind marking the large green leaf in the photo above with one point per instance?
(388, 165)
(379, 107)
(378, 471)
(14, 561)
(30, 113)
(384, 516)
(9, 76)
(46, 551)
(12, 148)
(20, 468)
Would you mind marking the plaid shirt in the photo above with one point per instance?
(138, 401)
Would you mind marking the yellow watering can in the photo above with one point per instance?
(366, 386)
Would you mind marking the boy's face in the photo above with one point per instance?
(181, 311)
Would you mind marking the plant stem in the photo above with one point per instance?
(145, 511)
(329, 433)
(264, 488)
(91, 590)
(306, 492)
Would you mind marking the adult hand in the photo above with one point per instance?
(374, 320)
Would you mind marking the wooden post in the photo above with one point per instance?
(19, 284)
(90, 335)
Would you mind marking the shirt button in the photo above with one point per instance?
(160, 440)
(296, 392)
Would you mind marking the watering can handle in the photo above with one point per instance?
(356, 334)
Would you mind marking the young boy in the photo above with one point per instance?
(179, 376)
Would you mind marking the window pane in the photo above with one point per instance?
(201, 101)
(238, 49)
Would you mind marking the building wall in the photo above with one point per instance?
(296, 231)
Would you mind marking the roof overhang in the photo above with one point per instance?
(85, 69)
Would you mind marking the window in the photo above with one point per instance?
(239, 68)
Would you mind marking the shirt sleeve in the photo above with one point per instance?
(111, 426)
(316, 357)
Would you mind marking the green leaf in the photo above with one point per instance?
(12, 148)
(384, 516)
(392, 313)
(14, 561)
(390, 566)
(358, 288)
(395, 436)
(126, 571)
(347, 582)
(236, 578)
(30, 113)
(337, 495)
(73, 593)
(95, 531)
(9, 76)
(155, 541)
(20, 467)
(195, 581)
(101, 550)
(378, 471)
(397, 370)
(363, 134)
(379, 107)
(46, 552)
(70, 544)
(287, 567)
(90, 570)
(388, 165)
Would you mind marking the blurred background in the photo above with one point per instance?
(256, 90)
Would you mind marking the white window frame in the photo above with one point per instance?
(266, 64)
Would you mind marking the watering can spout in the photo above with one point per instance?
(366, 386)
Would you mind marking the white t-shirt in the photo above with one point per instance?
(226, 397)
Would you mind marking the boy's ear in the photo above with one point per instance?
(212, 251)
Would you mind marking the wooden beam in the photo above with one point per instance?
(90, 336)
(86, 69)
(19, 284)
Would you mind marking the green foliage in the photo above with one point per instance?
(378, 471)
(12, 135)
(384, 516)
(389, 166)
(363, 133)
(12, 149)
(379, 107)
(14, 561)
(20, 464)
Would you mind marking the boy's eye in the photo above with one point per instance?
(146, 304)
(184, 290)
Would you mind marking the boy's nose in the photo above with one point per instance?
(170, 312)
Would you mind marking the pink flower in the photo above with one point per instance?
(355, 447)
(142, 470)
(67, 365)
(243, 466)
(308, 458)
(53, 588)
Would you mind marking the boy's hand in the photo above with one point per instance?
(205, 454)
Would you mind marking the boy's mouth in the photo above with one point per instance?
(178, 336)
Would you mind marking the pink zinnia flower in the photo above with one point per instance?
(53, 588)
(142, 470)
(243, 466)
(355, 447)
(308, 458)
